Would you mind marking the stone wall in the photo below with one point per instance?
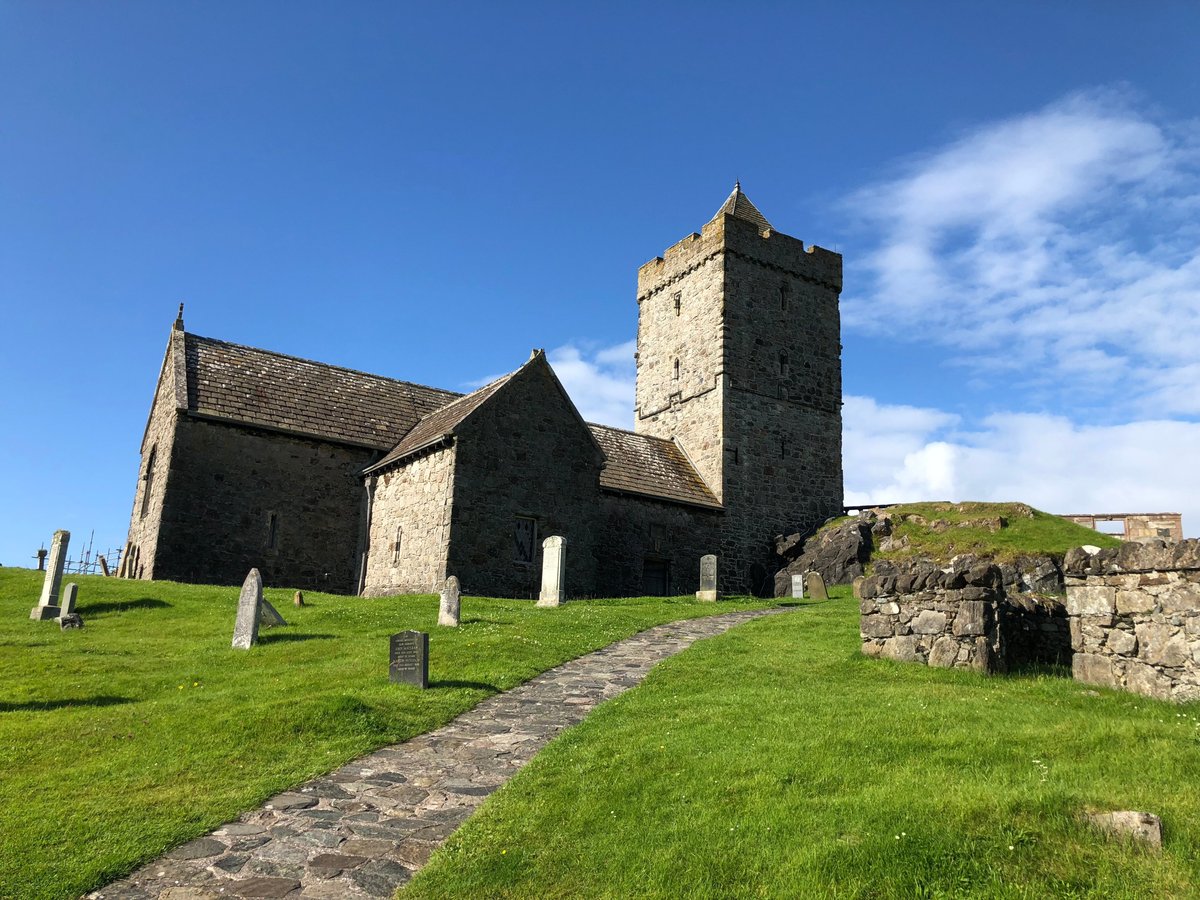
(241, 498)
(1135, 617)
(412, 505)
(948, 618)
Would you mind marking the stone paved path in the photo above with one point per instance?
(362, 830)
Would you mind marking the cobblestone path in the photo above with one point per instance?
(362, 830)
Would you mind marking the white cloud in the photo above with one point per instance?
(1045, 460)
(600, 381)
(1060, 248)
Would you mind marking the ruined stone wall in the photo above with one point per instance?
(525, 453)
(920, 613)
(146, 518)
(638, 536)
(1135, 618)
(226, 483)
(411, 504)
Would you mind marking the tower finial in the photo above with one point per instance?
(179, 319)
(737, 184)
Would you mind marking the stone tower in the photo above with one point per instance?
(739, 362)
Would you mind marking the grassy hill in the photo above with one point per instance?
(1002, 530)
(144, 729)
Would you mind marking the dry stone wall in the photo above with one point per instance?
(918, 612)
(1135, 617)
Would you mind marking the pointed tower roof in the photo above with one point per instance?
(739, 206)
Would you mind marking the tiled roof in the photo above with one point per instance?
(440, 422)
(739, 206)
(258, 387)
(650, 466)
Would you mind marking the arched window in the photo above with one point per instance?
(148, 478)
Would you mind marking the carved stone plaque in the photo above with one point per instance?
(409, 660)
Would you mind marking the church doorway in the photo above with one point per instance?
(656, 578)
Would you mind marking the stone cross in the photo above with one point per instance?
(47, 607)
(797, 587)
(41, 558)
(408, 662)
(70, 595)
(554, 562)
(245, 630)
(708, 578)
(448, 612)
(815, 586)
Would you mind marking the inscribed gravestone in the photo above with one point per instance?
(47, 607)
(245, 629)
(797, 587)
(408, 661)
(448, 611)
(815, 586)
(554, 560)
(708, 578)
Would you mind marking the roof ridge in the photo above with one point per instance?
(652, 437)
(458, 395)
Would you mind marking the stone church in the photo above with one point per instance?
(337, 480)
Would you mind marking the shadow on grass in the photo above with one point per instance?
(47, 705)
(96, 609)
(285, 637)
(469, 685)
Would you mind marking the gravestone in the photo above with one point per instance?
(41, 558)
(708, 579)
(814, 586)
(245, 629)
(554, 562)
(69, 597)
(408, 662)
(448, 612)
(269, 615)
(103, 565)
(298, 599)
(47, 607)
(797, 587)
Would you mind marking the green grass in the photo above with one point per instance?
(144, 729)
(776, 761)
(1028, 532)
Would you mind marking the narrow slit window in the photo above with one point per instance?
(396, 545)
(783, 363)
(149, 479)
(272, 530)
(783, 297)
(677, 370)
(678, 301)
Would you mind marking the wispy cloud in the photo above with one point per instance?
(1060, 248)
(600, 380)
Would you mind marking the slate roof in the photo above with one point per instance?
(258, 387)
(739, 206)
(649, 466)
(440, 422)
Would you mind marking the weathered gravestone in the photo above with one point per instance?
(797, 587)
(70, 596)
(554, 562)
(814, 586)
(245, 629)
(47, 607)
(103, 565)
(708, 578)
(448, 611)
(269, 615)
(408, 662)
(41, 558)
(298, 599)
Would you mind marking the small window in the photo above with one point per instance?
(148, 478)
(783, 297)
(783, 363)
(396, 545)
(658, 538)
(525, 532)
(272, 530)
(676, 370)
(678, 301)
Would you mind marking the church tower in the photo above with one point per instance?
(739, 362)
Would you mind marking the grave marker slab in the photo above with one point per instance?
(69, 598)
(814, 586)
(245, 629)
(708, 579)
(797, 587)
(269, 615)
(47, 607)
(408, 662)
(554, 562)
(448, 611)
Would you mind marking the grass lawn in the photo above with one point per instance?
(144, 729)
(776, 761)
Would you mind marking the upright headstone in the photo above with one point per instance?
(554, 562)
(408, 662)
(298, 599)
(708, 578)
(47, 607)
(448, 612)
(245, 629)
(69, 597)
(814, 586)
(269, 615)
(797, 587)
(103, 565)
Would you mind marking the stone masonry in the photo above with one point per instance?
(1135, 617)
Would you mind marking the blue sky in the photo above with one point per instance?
(429, 191)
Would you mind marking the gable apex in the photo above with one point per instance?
(739, 206)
